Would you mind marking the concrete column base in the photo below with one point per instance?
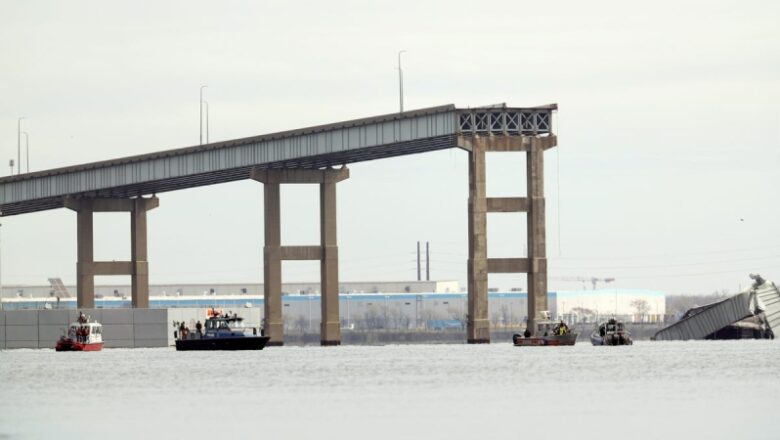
(330, 343)
(478, 331)
(275, 331)
(330, 333)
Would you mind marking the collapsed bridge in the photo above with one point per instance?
(762, 300)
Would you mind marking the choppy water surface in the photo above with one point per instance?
(650, 390)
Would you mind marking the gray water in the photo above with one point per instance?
(661, 390)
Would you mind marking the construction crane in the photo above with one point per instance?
(593, 280)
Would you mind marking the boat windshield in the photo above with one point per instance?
(223, 324)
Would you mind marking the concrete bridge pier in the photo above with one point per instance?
(327, 252)
(87, 268)
(479, 265)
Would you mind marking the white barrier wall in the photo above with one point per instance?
(121, 327)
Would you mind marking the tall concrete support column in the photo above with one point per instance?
(479, 265)
(85, 279)
(537, 242)
(87, 268)
(477, 325)
(272, 266)
(139, 280)
(327, 252)
(330, 328)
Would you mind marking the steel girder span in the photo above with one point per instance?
(317, 147)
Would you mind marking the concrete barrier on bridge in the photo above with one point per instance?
(122, 328)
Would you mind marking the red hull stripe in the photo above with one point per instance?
(70, 345)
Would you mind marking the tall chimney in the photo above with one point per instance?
(419, 278)
(427, 261)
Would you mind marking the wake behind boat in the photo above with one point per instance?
(547, 333)
(611, 332)
(220, 332)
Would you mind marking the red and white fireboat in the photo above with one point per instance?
(82, 336)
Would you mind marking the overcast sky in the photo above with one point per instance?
(667, 174)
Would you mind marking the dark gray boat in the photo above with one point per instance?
(611, 332)
(221, 333)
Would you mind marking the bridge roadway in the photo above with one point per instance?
(317, 147)
(307, 156)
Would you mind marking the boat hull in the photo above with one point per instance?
(243, 343)
(67, 344)
(541, 341)
(613, 339)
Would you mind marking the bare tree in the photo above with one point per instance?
(641, 306)
(495, 319)
(301, 323)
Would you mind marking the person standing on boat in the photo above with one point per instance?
(199, 329)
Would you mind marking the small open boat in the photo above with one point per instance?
(611, 332)
(547, 333)
(82, 336)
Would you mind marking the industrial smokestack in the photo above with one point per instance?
(427, 261)
(419, 278)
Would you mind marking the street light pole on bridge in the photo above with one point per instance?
(206, 103)
(201, 113)
(19, 145)
(401, 81)
(26, 149)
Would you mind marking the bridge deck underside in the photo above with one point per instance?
(243, 172)
(318, 147)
